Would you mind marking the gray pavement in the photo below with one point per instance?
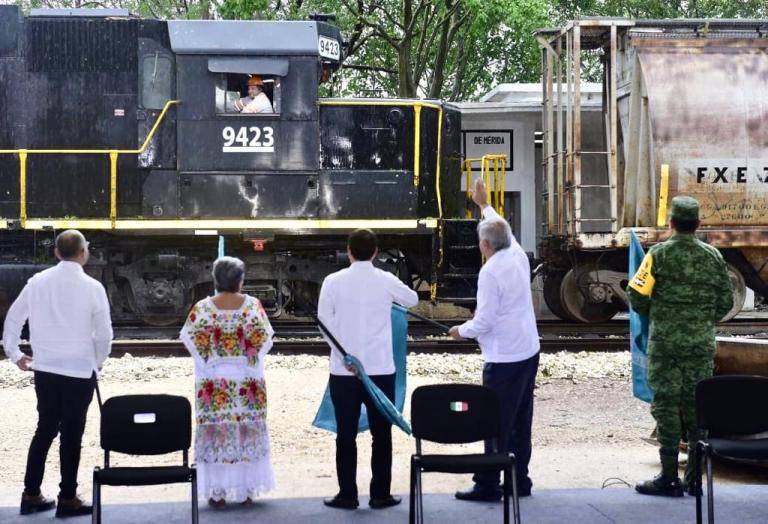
(733, 504)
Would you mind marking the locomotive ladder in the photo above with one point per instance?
(562, 52)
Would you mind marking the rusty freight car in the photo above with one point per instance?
(685, 106)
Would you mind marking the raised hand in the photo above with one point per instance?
(479, 194)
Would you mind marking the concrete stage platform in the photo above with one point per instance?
(740, 504)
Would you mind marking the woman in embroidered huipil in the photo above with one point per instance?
(228, 336)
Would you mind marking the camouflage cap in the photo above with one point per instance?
(684, 208)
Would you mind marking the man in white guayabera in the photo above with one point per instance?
(505, 327)
(70, 334)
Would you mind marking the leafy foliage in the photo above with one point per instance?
(450, 49)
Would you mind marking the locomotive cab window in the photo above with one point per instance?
(156, 74)
(247, 94)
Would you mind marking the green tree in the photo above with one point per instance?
(656, 9)
(450, 49)
(453, 49)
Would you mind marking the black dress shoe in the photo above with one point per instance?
(72, 508)
(35, 504)
(479, 495)
(387, 502)
(341, 503)
(690, 488)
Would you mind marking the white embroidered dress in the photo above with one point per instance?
(231, 442)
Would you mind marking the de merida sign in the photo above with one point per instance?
(488, 142)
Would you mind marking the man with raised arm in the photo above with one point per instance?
(504, 325)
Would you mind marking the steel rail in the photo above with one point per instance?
(302, 337)
(304, 328)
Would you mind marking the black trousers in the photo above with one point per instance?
(348, 395)
(62, 405)
(513, 383)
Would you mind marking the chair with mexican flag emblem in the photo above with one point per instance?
(458, 414)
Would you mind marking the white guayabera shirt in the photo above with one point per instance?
(356, 306)
(69, 324)
(504, 323)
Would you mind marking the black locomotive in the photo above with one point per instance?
(137, 132)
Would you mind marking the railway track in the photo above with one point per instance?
(302, 336)
(418, 345)
(306, 328)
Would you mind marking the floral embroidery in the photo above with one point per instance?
(231, 441)
(229, 417)
(229, 333)
(229, 343)
(215, 394)
(253, 394)
(203, 342)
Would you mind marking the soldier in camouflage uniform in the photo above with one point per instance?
(683, 284)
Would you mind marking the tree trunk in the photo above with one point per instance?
(461, 59)
(438, 76)
(205, 10)
(406, 87)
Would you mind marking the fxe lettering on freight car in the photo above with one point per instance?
(728, 175)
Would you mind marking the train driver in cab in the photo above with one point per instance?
(257, 101)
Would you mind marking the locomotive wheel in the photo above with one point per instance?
(163, 321)
(739, 292)
(573, 297)
(551, 292)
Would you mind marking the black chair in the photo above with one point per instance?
(458, 414)
(145, 425)
(729, 406)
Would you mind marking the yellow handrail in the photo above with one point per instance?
(661, 219)
(139, 151)
(417, 145)
(113, 154)
(493, 169)
(23, 187)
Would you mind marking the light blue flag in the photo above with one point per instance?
(638, 331)
(326, 415)
(221, 246)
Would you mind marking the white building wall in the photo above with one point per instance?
(522, 176)
(519, 107)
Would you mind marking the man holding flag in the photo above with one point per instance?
(355, 306)
(683, 286)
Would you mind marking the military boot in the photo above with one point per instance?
(666, 483)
